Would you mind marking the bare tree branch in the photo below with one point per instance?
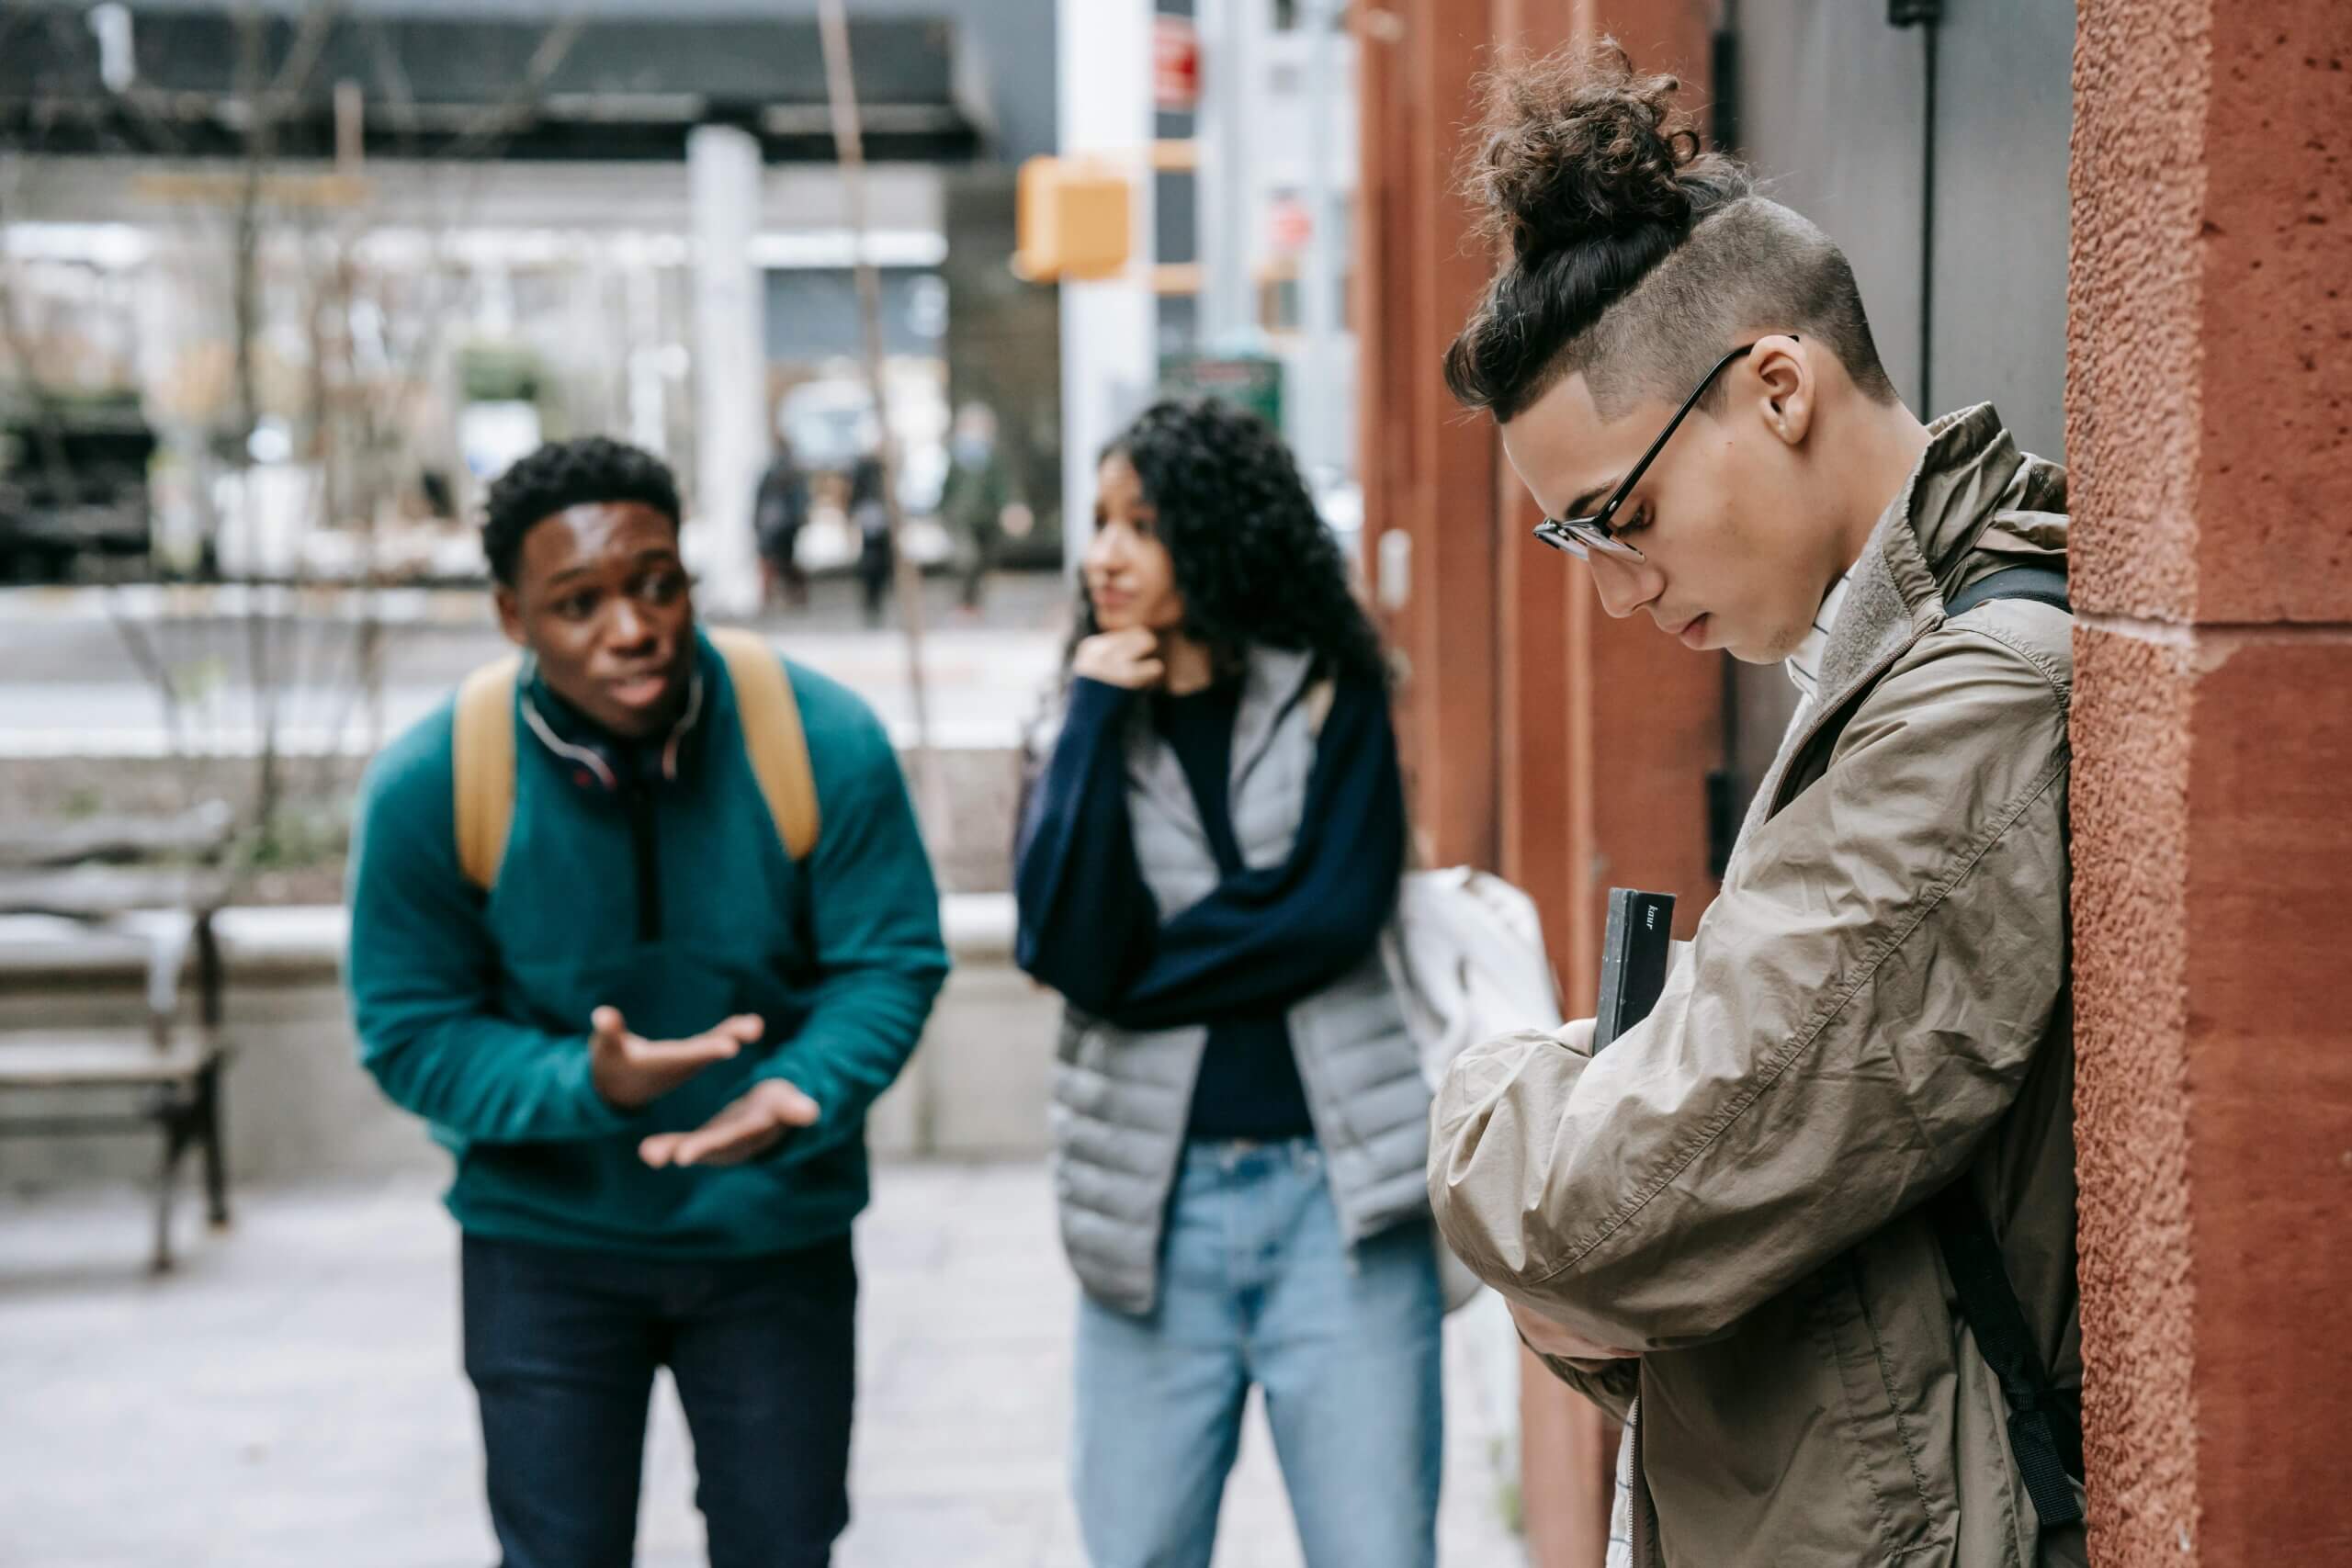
(841, 91)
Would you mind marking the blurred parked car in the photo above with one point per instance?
(85, 497)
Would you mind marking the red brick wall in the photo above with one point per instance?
(1427, 470)
(2210, 418)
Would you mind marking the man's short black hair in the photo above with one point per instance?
(570, 473)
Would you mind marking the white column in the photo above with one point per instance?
(1232, 97)
(731, 365)
(1326, 414)
(1109, 355)
(648, 423)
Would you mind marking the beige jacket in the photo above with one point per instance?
(1876, 1005)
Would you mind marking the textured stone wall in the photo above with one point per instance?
(2209, 416)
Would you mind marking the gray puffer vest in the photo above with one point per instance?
(1122, 1097)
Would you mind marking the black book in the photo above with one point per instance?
(1634, 950)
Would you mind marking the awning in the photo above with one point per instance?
(600, 89)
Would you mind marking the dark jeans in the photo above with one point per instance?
(874, 567)
(561, 1348)
(979, 559)
(779, 553)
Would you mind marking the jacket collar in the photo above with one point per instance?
(1272, 682)
(1804, 662)
(608, 759)
(1972, 492)
(1275, 679)
(1969, 474)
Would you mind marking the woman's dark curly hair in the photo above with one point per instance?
(1252, 558)
(569, 473)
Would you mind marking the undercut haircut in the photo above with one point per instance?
(1628, 254)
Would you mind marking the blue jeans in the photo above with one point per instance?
(561, 1348)
(1257, 1287)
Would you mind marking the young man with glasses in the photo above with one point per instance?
(1810, 1225)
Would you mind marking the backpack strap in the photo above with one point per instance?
(2045, 1423)
(482, 768)
(772, 738)
(482, 752)
(2042, 584)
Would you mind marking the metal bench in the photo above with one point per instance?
(157, 880)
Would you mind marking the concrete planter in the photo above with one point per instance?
(300, 1110)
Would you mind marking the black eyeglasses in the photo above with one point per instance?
(1584, 538)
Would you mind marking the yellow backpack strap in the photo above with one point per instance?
(482, 768)
(772, 738)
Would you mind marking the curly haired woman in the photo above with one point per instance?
(1205, 864)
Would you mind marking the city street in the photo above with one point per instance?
(71, 686)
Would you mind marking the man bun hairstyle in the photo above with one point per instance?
(564, 474)
(1627, 251)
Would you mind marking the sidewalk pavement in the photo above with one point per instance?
(292, 1397)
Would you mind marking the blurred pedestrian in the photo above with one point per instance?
(871, 517)
(780, 509)
(979, 502)
(1204, 866)
(642, 927)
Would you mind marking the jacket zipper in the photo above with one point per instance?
(640, 800)
(1644, 1542)
(1820, 722)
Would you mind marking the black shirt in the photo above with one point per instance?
(1264, 939)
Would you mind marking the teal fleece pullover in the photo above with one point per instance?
(672, 899)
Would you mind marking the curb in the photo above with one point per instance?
(213, 600)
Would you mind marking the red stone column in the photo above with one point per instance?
(1451, 690)
(2210, 425)
(1429, 474)
(1379, 299)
